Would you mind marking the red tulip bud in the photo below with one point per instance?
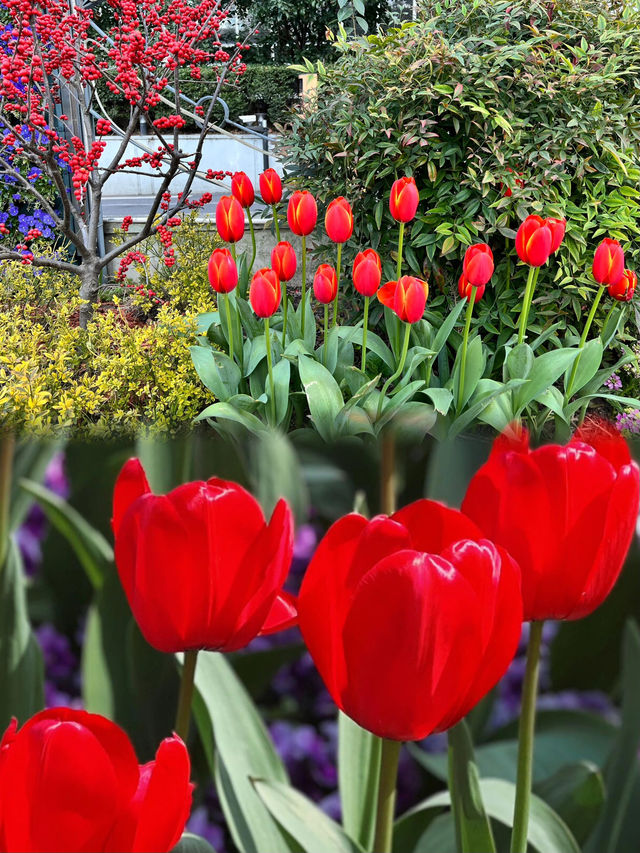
(284, 261)
(242, 189)
(230, 219)
(404, 198)
(270, 186)
(465, 288)
(264, 293)
(608, 262)
(302, 213)
(325, 284)
(624, 289)
(223, 273)
(367, 272)
(533, 241)
(558, 228)
(407, 297)
(477, 266)
(338, 220)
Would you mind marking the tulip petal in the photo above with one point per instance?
(434, 526)
(283, 614)
(387, 294)
(131, 484)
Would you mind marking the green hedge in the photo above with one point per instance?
(269, 88)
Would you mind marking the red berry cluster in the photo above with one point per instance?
(103, 127)
(126, 223)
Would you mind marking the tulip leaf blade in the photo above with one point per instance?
(545, 371)
(590, 361)
(217, 371)
(622, 766)
(31, 460)
(323, 395)
(576, 792)
(21, 665)
(375, 344)
(226, 716)
(190, 843)
(303, 820)
(358, 773)
(473, 828)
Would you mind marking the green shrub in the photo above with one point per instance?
(475, 100)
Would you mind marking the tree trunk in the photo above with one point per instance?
(89, 283)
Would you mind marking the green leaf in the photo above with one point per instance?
(358, 771)
(476, 363)
(394, 405)
(547, 369)
(375, 344)
(91, 548)
(622, 765)
(477, 406)
(519, 362)
(588, 365)
(303, 820)
(227, 715)
(257, 352)
(227, 412)
(30, 462)
(446, 328)
(281, 380)
(323, 395)
(217, 371)
(576, 793)
(190, 843)
(21, 668)
(276, 473)
(473, 827)
(441, 399)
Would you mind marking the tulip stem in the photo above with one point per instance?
(465, 342)
(508, 260)
(335, 301)
(7, 447)
(275, 221)
(390, 754)
(326, 334)
(185, 696)
(583, 340)
(607, 318)
(253, 240)
(272, 388)
(304, 281)
(285, 306)
(526, 733)
(403, 358)
(532, 278)
(400, 242)
(364, 334)
(229, 324)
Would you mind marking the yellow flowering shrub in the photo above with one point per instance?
(121, 376)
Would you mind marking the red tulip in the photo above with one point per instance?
(230, 219)
(624, 289)
(404, 198)
(566, 514)
(270, 186)
(410, 619)
(477, 266)
(265, 293)
(465, 288)
(558, 228)
(242, 189)
(325, 284)
(70, 780)
(533, 241)
(200, 567)
(223, 273)
(407, 297)
(608, 262)
(367, 272)
(302, 213)
(284, 261)
(338, 220)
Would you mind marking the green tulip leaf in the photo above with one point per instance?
(519, 362)
(473, 828)
(217, 371)
(590, 360)
(546, 370)
(576, 793)
(190, 843)
(358, 771)
(323, 395)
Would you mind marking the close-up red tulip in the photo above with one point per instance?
(404, 199)
(367, 272)
(270, 186)
(302, 213)
(338, 220)
(477, 266)
(230, 219)
(565, 513)
(623, 290)
(410, 619)
(242, 189)
(325, 284)
(465, 289)
(558, 228)
(222, 270)
(534, 240)
(265, 292)
(200, 566)
(407, 297)
(608, 262)
(70, 780)
(284, 261)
